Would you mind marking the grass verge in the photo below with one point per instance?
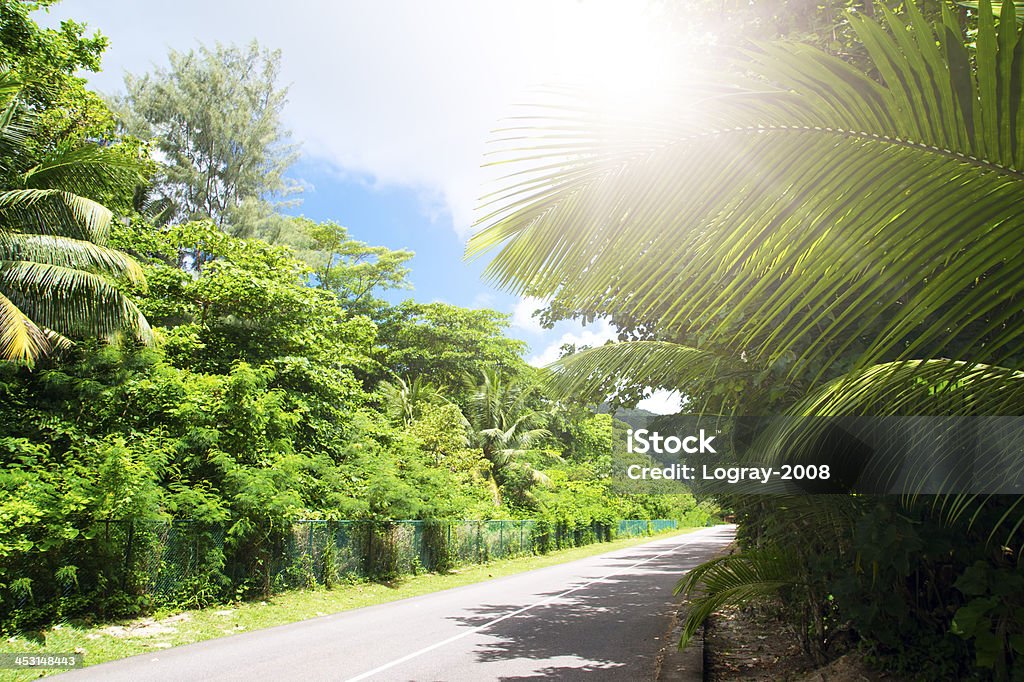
(110, 641)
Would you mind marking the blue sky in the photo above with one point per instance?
(394, 101)
(399, 217)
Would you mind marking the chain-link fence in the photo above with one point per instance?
(189, 563)
(635, 527)
(177, 557)
(324, 552)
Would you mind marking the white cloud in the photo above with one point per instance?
(404, 91)
(593, 335)
(522, 315)
(661, 402)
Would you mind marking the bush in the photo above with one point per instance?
(380, 549)
(437, 546)
(540, 536)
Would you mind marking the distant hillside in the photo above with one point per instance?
(634, 416)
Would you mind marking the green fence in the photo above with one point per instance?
(635, 527)
(124, 565)
(322, 552)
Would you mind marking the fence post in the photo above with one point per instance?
(369, 550)
(128, 554)
(309, 549)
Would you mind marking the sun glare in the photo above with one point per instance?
(628, 61)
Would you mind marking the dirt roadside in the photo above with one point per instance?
(753, 644)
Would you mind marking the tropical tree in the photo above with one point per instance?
(795, 235)
(404, 399)
(49, 62)
(802, 219)
(215, 115)
(56, 275)
(505, 424)
(351, 268)
(442, 344)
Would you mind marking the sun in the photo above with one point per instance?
(623, 55)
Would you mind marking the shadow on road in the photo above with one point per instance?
(611, 630)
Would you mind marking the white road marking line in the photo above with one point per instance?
(478, 628)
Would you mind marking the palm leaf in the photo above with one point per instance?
(733, 579)
(71, 253)
(20, 338)
(52, 258)
(649, 363)
(86, 171)
(16, 122)
(69, 301)
(54, 211)
(924, 387)
(942, 388)
(781, 216)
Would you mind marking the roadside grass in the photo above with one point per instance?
(102, 642)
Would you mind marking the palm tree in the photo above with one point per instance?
(56, 275)
(854, 236)
(505, 425)
(404, 399)
(850, 235)
(803, 216)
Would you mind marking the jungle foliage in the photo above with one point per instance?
(161, 363)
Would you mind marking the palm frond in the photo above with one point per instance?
(20, 338)
(16, 122)
(930, 388)
(939, 393)
(53, 264)
(657, 364)
(785, 215)
(734, 579)
(404, 398)
(54, 211)
(71, 302)
(918, 388)
(71, 253)
(87, 170)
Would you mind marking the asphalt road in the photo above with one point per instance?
(602, 618)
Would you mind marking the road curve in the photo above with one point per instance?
(601, 618)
